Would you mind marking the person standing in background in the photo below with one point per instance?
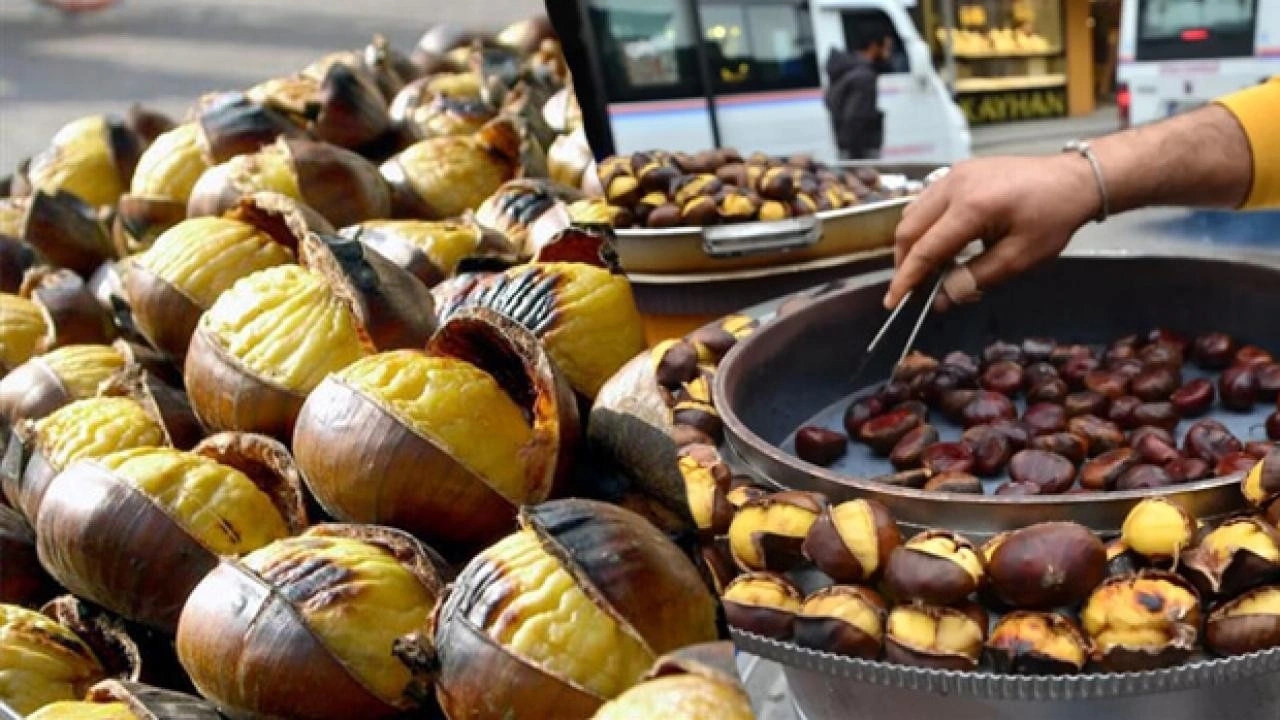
(852, 95)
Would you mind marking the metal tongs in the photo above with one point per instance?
(869, 353)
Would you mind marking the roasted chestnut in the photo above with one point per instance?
(1122, 411)
(859, 412)
(1045, 565)
(820, 446)
(991, 449)
(851, 541)
(1017, 488)
(1086, 402)
(1037, 643)
(767, 533)
(1213, 351)
(94, 156)
(1069, 446)
(1107, 383)
(1127, 369)
(1253, 356)
(1242, 552)
(1158, 529)
(942, 457)
(944, 638)
(1156, 414)
(987, 407)
(1122, 560)
(1238, 387)
(1039, 372)
(954, 481)
(953, 402)
(883, 432)
(1210, 441)
(764, 603)
(1194, 399)
(41, 661)
(1037, 350)
(1165, 336)
(1143, 621)
(706, 479)
(1155, 385)
(1234, 462)
(894, 393)
(1185, 469)
(907, 454)
(629, 593)
(1273, 426)
(1246, 624)
(1002, 351)
(126, 700)
(1155, 449)
(1077, 368)
(1144, 477)
(698, 681)
(1045, 418)
(1062, 354)
(1101, 435)
(1051, 390)
(1004, 376)
(1262, 484)
(338, 597)
(1268, 378)
(1050, 472)
(842, 619)
(935, 567)
(1161, 354)
(914, 364)
(1102, 472)
(961, 363)
(441, 177)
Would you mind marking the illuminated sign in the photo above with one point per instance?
(1007, 105)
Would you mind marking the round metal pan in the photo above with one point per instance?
(794, 367)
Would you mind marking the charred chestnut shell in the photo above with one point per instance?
(1240, 553)
(1046, 565)
(936, 567)
(1037, 643)
(914, 635)
(842, 619)
(852, 541)
(1166, 605)
(1246, 624)
(767, 533)
(764, 603)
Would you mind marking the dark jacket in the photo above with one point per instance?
(851, 100)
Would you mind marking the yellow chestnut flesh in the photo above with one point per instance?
(545, 618)
(773, 518)
(83, 710)
(948, 633)
(1033, 632)
(81, 368)
(202, 257)
(457, 85)
(452, 174)
(1157, 528)
(95, 427)
(853, 610)
(1137, 613)
(356, 597)
(857, 527)
(23, 328)
(270, 168)
(285, 325)
(1254, 490)
(679, 697)
(12, 216)
(217, 504)
(946, 548)
(456, 404)
(763, 591)
(1226, 539)
(79, 160)
(170, 166)
(41, 661)
(444, 242)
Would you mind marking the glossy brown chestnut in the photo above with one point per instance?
(1069, 446)
(1210, 440)
(675, 363)
(1238, 387)
(1144, 477)
(952, 403)
(1194, 398)
(943, 638)
(820, 446)
(1155, 385)
(1213, 351)
(1127, 368)
(1040, 371)
(1253, 356)
(914, 406)
(1125, 348)
(1101, 435)
(1077, 368)
(1156, 414)
(961, 363)
(764, 603)
(1052, 473)
(1051, 390)
(894, 393)
(1016, 488)
(1038, 643)
(944, 457)
(1165, 336)
(1161, 354)
(1045, 418)
(1086, 402)
(1185, 469)
(1005, 377)
(859, 412)
(852, 541)
(1258, 449)
(936, 567)
(883, 432)
(1018, 433)
(1142, 621)
(1062, 354)
(991, 449)
(1273, 426)
(1268, 377)
(1038, 350)
(1102, 472)
(1155, 449)
(1122, 411)
(1121, 560)
(1242, 552)
(907, 453)
(767, 533)
(914, 364)
(1045, 565)
(1106, 382)
(1234, 462)
(1001, 351)
(987, 407)
(1165, 436)
(954, 481)
(842, 619)
(1247, 624)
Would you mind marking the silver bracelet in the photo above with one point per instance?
(1086, 152)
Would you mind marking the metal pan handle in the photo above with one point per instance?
(761, 237)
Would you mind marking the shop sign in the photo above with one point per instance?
(1006, 105)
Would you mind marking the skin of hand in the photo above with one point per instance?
(1027, 208)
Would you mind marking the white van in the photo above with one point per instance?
(1175, 55)
(763, 63)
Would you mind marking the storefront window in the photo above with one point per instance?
(646, 48)
(755, 46)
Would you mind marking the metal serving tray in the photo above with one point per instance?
(794, 367)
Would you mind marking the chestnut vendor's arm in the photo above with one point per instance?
(1027, 208)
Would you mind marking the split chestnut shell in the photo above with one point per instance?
(305, 626)
(47, 382)
(445, 444)
(696, 683)
(626, 594)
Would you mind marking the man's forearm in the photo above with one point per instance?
(1200, 158)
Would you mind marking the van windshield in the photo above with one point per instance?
(1190, 29)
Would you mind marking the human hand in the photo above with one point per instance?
(1025, 208)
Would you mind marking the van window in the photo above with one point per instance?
(646, 49)
(1192, 29)
(863, 24)
(759, 45)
